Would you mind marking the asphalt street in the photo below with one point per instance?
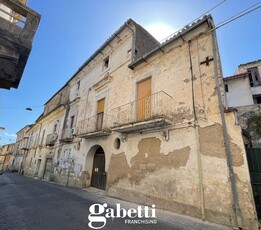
(29, 204)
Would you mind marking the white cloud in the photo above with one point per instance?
(160, 30)
(10, 134)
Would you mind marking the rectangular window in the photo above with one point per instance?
(226, 87)
(78, 85)
(251, 80)
(254, 78)
(54, 128)
(42, 137)
(257, 100)
(100, 112)
(72, 121)
(106, 63)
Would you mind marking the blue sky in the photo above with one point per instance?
(71, 30)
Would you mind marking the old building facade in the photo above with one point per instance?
(6, 156)
(145, 121)
(244, 88)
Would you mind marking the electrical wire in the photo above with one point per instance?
(238, 15)
(214, 7)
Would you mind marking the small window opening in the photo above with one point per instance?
(117, 143)
(251, 80)
(78, 85)
(72, 122)
(106, 63)
(257, 100)
(226, 87)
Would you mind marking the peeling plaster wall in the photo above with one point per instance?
(161, 167)
(149, 170)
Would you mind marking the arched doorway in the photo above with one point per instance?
(98, 170)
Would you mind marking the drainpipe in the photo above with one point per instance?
(133, 42)
(238, 213)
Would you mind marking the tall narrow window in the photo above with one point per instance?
(100, 113)
(106, 63)
(55, 128)
(254, 78)
(72, 121)
(144, 99)
(78, 85)
(226, 87)
(42, 140)
(251, 80)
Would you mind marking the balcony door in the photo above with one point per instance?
(144, 100)
(100, 114)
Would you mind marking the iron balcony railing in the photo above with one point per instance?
(155, 106)
(99, 122)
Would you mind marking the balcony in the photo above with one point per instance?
(18, 24)
(96, 126)
(153, 112)
(51, 139)
(68, 135)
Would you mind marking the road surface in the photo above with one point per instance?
(29, 204)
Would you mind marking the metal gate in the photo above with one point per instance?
(98, 172)
(254, 164)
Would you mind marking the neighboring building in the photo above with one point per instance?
(243, 92)
(18, 24)
(244, 88)
(21, 149)
(6, 156)
(145, 121)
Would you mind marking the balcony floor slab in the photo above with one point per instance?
(143, 125)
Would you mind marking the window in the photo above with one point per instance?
(257, 100)
(106, 63)
(55, 128)
(72, 121)
(253, 76)
(100, 112)
(43, 137)
(251, 80)
(78, 85)
(226, 87)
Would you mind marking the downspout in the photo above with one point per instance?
(200, 176)
(237, 210)
(133, 42)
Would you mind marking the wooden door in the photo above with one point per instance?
(100, 114)
(144, 100)
(48, 168)
(98, 171)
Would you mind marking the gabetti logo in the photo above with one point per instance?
(100, 212)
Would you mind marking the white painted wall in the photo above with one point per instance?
(239, 93)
